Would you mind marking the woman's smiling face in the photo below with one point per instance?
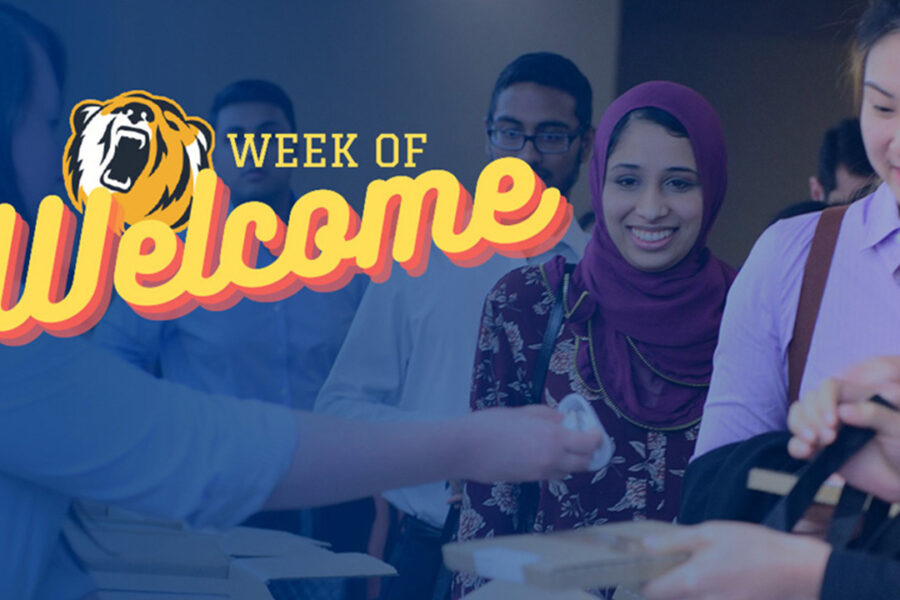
(652, 198)
(880, 113)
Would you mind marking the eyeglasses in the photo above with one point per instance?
(546, 142)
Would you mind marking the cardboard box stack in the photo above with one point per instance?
(137, 558)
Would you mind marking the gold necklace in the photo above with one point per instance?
(659, 373)
(602, 390)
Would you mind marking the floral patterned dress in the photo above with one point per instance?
(643, 479)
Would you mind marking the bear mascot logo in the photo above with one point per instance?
(144, 150)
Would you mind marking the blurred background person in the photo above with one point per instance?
(280, 351)
(844, 172)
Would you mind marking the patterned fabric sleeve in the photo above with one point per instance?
(501, 377)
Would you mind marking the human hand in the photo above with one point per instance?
(738, 561)
(524, 444)
(455, 487)
(815, 521)
(814, 421)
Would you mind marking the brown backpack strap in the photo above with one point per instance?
(815, 274)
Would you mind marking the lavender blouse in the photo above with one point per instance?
(859, 317)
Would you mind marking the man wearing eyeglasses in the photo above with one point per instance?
(409, 352)
(540, 112)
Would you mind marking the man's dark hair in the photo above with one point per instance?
(550, 70)
(842, 145)
(252, 90)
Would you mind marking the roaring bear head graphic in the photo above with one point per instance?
(143, 149)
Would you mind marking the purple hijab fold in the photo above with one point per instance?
(672, 316)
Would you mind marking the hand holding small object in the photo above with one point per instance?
(816, 418)
(579, 416)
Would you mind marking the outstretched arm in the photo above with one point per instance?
(79, 421)
(338, 459)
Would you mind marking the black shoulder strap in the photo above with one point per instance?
(789, 509)
(529, 493)
(557, 313)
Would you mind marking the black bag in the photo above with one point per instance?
(715, 488)
(850, 511)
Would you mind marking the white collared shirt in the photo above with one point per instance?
(410, 349)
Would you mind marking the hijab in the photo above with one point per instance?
(632, 323)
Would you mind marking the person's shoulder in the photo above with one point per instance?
(772, 274)
(521, 287)
(784, 245)
(791, 233)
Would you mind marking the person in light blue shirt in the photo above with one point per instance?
(78, 421)
(279, 352)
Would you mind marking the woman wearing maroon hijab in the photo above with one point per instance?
(642, 313)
